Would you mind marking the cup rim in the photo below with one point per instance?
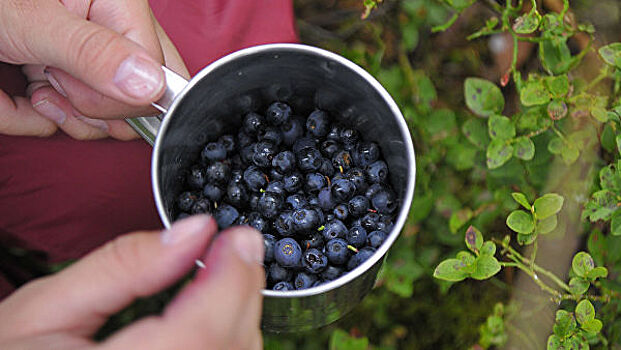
(406, 200)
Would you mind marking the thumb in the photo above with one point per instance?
(94, 54)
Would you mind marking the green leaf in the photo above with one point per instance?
(527, 23)
(582, 263)
(569, 153)
(459, 219)
(555, 146)
(450, 270)
(410, 35)
(607, 138)
(597, 272)
(558, 86)
(592, 326)
(557, 109)
(547, 225)
(521, 199)
(476, 132)
(483, 97)
(554, 343)
(524, 148)
(555, 56)
(498, 153)
(486, 267)
(534, 93)
(341, 340)
(610, 178)
(474, 239)
(602, 206)
(618, 139)
(597, 246)
(565, 324)
(488, 248)
(521, 222)
(526, 239)
(548, 205)
(578, 285)
(615, 224)
(500, 127)
(585, 312)
(611, 54)
(600, 114)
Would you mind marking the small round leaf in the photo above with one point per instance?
(592, 326)
(524, 148)
(500, 127)
(547, 225)
(521, 199)
(578, 285)
(582, 263)
(498, 153)
(548, 205)
(474, 239)
(450, 270)
(483, 97)
(488, 248)
(585, 312)
(598, 272)
(521, 222)
(486, 267)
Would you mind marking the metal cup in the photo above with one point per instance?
(305, 77)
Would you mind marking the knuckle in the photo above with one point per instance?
(89, 47)
(119, 256)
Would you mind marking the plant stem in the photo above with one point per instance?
(533, 256)
(603, 74)
(559, 133)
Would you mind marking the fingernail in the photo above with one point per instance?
(139, 78)
(50, 111)
(185, 229)
(97, 123)
(55, 84)
(249, 245)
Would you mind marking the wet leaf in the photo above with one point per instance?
(488, 248)
(578, 285)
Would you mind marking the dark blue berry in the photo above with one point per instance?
(303, 144)
(377, 171)
(276, 187)
(343, 190)
(376, 238)
(314, 261)
(253, 123)
(236, 194)
(292, 130)
(283, 224)
(336, 251)
(218, 172)
(186, 200)
(201, 206)
(334, 133)
(326, 202)
(318, 282)
(213, 192)
(358, 206)
(264, 152)
(366, 153)
(304, 280)
(213, 151)
(247, 153)
(357, 176)
(272, 135)
(329, 148)
(278, 113)
(269, 204)
(314, 182)
(373, 189)
(363, 255)
(237, 175)
(342, 160)
(305, 220)
(284, 162)
(196, 178)
(243, 139)
(254, 178)
(384, 202)
(225, 215)
(341, 212)
(369, 221)
(228, 141)
(253, 201)
(357, 236)
(283, 286)
(277, 273)
(257, 221)
(315, 240)
(331, 273)
(295, 201)
(349, 136)
(334, 229)
(317, 123)
(309, 159)
(293, 182)
(275, 175)
(288, 252)
(326, 167)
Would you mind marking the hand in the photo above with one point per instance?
(219, 309)
(81, 69)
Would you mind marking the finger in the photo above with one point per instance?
(223, 298)
(120, 130)
(34, 72)
(18, 117)
(101, 57)
(80, 298)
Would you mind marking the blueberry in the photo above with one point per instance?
(236, 194)
(377, 171)
(196, 178)
(317, 123)
(292, 130)
(314, 182)
(213, 151)
(334, 133)
(318, 282)
(373, 189)
(201, 206)
(272, 135)
(293, 182)
(277, 273)
(295, 201)
(357, 176)
(366, 153)
(384, 202)
(240, 221)
(269, 204)
(334, 229)
(376, 238)
(284, 162)
(264, 152)
(237, 175)
(225, 215)
(325, 199)
(276, 187)
(278, 113)
(254, 178)
(326, 167)
(369, 221)
(247, 154)
(341, 212)
(314, 261)
(304, 280)
(283, 286)
(213, 192)
(336, 251)
(283, 224)
(218, 172)
(253, 123)
(275, 175)
(342, 160)
(315, 240)
(257, 221)
(357, 236)
(329, 148)
(331, 273)
(186, 200)
(358, 206)
(303, 144)
(228, 141)
(313, 201)
(305, 220)
(349, 136)
(343, 190)
(309, 159)
(288, 252)
(253, 201)
(360, 257)
(243, 139)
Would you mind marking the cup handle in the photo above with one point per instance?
(147, 127)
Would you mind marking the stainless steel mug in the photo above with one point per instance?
(213, 103)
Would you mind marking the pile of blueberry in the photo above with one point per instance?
(317, 191)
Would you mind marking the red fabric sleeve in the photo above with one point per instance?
(66, 197)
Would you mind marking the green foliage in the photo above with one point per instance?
(340, 340)
(483, 97)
